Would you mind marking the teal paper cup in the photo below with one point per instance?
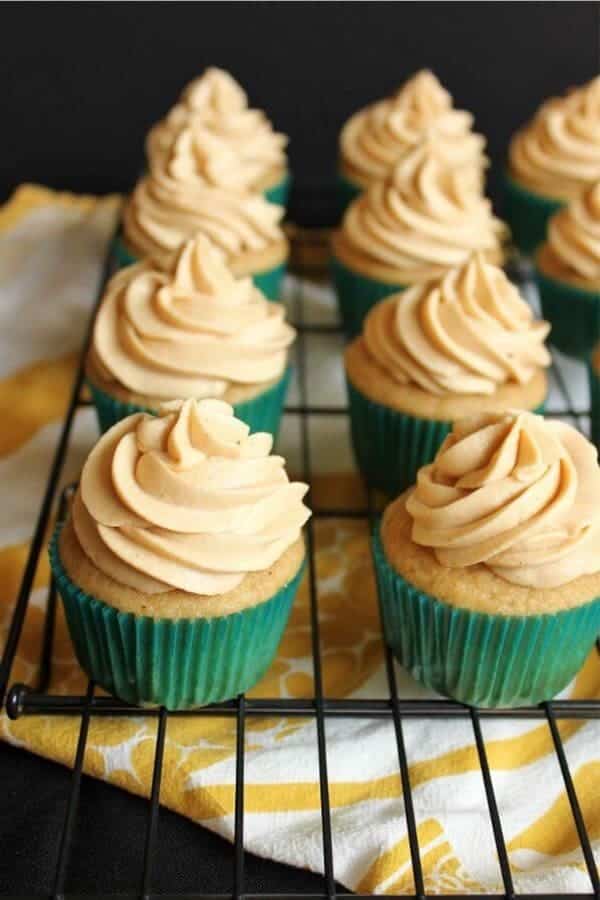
(391, 446)
(356, 295)
(478, 658)
(269, 281)
(527, 214)
(346, 192)
(280, 192)
(261, 413)
(573, 312)
(176, 663)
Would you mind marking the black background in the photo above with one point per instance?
(80, 84)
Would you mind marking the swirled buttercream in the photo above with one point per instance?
(188, 500)
(426, 218)
(467, 334)
(557, 153)
(192, 332)
(574, 235)
(516, 493)
(375, 138)
(163, 212)
(211, 135)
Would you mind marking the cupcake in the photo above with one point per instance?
(551, 160)
(424, 219)
(489, 568)
(166, 209)
(376, 137)
(181, 556)
(194, 332)
(434, 354)
(567, 269)
(213, 134)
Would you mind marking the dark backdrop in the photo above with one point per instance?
(81, 83)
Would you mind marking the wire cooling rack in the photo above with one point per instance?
(26, 701)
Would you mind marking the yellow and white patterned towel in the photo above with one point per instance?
(51, 246)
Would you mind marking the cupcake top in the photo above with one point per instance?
(376, 137)
(467, 334)
(190, 332)
(426, 218)
(163, 212)
(188, 500)
(515, 493)
(213, 136)
(557, 153)
(574, 236)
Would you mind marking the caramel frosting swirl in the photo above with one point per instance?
(574, 235)
(557, 153)
(375, 138)
(516, 493)
(467, 334)
(192, 332)
(211, 135)
(426, 218)
(188, 500)
(163, 212)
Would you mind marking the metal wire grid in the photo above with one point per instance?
(22, 700)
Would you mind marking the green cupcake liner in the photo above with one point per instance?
(346, 192)
(269, 281)
(527, 214)
(177, 663)
(573, 312)
(356, 295)
(478, 658)
(280, 192)
(390, 446)
(261, 413)
(594, 382)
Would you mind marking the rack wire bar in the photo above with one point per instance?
(22, 700)
(238, 841)
(582, 834)
(154, 799)
(314, 619)
(509, 890)
(69, 825)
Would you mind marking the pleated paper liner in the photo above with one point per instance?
(177, 663)
(356, 295)
(527, 214)
(346, 192)
(260, 413)
(269, 281)
(280, 192)
(391, 446)
(573, 312)
(477, 658)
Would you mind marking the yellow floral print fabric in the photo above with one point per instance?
(51, 246)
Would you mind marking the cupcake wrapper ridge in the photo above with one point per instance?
(260, 413)
(391, 446)
(573, 312)
(527, 214)
(269, 281)
(477, 658)
(356, 295)
(176, 663)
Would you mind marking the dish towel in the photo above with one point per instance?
(51, 248)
